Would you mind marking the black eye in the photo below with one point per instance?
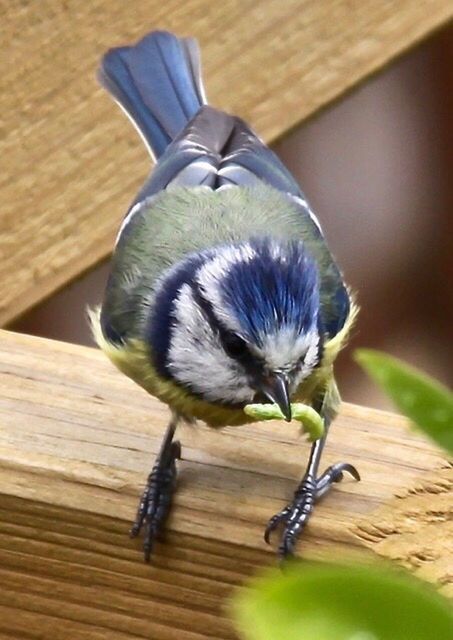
(234, 346)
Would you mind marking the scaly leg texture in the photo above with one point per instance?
(312, 487)
(156, 500)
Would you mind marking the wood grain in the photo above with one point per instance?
(416, 529)
(71, 163)
(76, 442)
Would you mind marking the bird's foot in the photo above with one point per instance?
(156, 499)
(295, 515)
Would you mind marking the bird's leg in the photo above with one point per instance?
(296, 514)
(156, 499)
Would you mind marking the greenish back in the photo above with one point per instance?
(180, 221)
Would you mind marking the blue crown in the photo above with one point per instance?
(278, 287)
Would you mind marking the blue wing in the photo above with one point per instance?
(217, 150)
(157, 82)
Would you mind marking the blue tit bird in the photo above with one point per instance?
(222, 289)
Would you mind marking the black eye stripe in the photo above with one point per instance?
(233, 345)
(207, 309)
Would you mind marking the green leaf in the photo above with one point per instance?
(339, 602)
(427, 403)
(311, 422)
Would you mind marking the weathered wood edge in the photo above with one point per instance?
(76, 441)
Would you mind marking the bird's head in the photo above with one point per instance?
(239, 323)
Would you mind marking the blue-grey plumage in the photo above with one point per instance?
(222, 287)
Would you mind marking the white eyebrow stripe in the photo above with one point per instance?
(211, 274)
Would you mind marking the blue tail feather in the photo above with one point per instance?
(157, 82)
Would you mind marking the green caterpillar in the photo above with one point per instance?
(311, 421)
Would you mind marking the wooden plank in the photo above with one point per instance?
(71, 163)
(416, 529)
(76, 442)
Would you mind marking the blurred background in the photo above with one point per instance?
(376, 169)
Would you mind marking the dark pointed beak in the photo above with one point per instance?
(275, 387)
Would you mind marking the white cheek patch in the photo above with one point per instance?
(214, 271)
(196, 357)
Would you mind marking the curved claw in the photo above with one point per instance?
(351, 470)
(272, 525)
(336, 471)
(295, 516)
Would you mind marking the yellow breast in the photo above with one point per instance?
(134, 359)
